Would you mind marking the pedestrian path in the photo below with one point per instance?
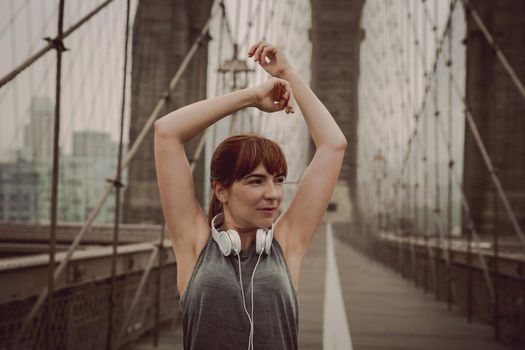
(385, 311)
(336, 334)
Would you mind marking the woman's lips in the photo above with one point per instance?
(267, 210)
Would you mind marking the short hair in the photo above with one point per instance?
(239, 155)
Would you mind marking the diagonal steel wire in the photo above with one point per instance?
(11, 75)
(87, 224)
(477, 137)
(466, 207)
(506, 65)
(488, 162)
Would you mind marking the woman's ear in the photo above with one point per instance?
(220, 192)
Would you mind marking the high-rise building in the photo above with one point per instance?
(38, 133)
(18, 192)
(25, 186)
(84, 174)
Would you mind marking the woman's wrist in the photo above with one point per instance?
(251, 96)
(285, 74)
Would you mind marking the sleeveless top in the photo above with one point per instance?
(213, 315)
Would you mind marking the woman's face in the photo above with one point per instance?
(248, 197)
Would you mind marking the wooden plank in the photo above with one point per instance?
(385, 311)
(311, 293)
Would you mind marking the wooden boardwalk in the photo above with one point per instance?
(383, 310)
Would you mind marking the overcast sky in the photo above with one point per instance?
(92, 68)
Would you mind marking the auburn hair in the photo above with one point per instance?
(239, 155)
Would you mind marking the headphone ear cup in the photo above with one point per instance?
(225, 243)
(264, 241)
(259, 241)
(235, 241)
(269, 239)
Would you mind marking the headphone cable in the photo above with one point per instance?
(253, 322)
(244, 300)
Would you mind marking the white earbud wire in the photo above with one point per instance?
(253, 322)
(244, 301)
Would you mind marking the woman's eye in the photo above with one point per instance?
(255, 182)
(280, 180)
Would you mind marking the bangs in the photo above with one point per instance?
(256, 150)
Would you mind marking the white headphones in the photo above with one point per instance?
(230, 242)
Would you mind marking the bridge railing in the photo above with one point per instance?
(455, 274)
(80, 311)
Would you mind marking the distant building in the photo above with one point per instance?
(18, 192)
(83, 176)
(25, 182)
(94, 144)
(38, 133)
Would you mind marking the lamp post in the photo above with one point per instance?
(379, 165)
(239, 72)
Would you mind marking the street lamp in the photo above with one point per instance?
(239, 70)
(379, 170)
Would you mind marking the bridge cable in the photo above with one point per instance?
(451, 282)
(196, 156)
(50, 45)
(429, 79)
(476, 237)
(117, 184)
(447, 29)
(490, 39)
(131, 153)
(486, 158)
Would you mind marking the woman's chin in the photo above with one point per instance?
(267, 222)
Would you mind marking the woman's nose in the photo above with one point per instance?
(272, 191)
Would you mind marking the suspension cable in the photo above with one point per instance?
(429, 79)
(117, 183)
(486, 158)
(51, 45)
(490, 39)
(131, 153)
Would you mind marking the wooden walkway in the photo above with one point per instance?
(383, 311)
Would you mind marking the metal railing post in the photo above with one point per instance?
(496, 309)
(159, 285)
(469, 274)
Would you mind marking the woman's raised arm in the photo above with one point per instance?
(186, 221)
(186, 122)
(300, 221)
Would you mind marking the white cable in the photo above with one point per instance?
(253, 274)
(244, 300)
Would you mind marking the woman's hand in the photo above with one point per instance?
(274, 95)
(278, 64)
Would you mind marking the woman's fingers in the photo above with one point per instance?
(288, 95)
(267, 49)
(254, 47)
(257, 54)
(285, 96)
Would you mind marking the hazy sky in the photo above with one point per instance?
(92, 69)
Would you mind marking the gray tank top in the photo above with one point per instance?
(213, 315)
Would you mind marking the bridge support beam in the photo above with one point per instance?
(499, 111)
(163, 33)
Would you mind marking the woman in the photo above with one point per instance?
(217, 256)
